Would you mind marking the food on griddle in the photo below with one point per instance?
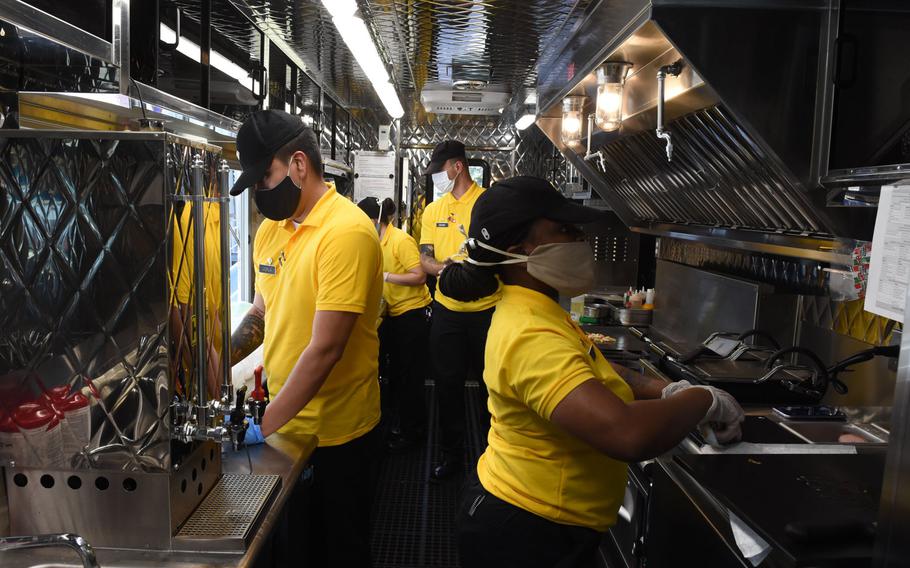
(601, 338)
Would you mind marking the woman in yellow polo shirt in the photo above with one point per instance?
(404, 332)
(564, 421)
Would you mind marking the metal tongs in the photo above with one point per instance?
(729, 346)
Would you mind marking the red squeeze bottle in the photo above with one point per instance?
(258, 392)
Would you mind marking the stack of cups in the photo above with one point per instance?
(43, 435)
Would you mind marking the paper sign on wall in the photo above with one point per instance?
(889, 266)
(374, 175)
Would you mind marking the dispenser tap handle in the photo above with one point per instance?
(258, 392)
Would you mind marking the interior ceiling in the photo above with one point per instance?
(420, 40)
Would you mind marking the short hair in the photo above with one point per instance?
(305, 142)
(463, 159)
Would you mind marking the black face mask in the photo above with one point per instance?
(280, 202)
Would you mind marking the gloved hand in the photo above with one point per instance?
(722, 423)
(253, 434)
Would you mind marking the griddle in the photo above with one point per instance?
(770, 492)
(627, 347)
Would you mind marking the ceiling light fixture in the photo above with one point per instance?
(220, 62)
(357, 37)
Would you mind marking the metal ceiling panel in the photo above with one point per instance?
(429, 40)
(306, 28)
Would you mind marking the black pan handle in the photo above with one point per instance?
(759, 333)
(822, 381)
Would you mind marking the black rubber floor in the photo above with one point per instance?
(414, 519)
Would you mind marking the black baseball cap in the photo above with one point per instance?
(259, 139)
(503, 212)
(445, 150)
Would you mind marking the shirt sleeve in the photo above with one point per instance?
(548, 366)
(348, 266)
(407, 252)
(427, 226)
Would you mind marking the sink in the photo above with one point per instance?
(835, 433)
(762, 430)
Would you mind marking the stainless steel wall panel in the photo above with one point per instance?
(90, 286)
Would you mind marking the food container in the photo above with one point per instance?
(77, 426)
(597, 310)
(632, 316)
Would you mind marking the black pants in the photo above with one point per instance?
(405, 339)
(457, 341)
(339, 501)
(492, 532)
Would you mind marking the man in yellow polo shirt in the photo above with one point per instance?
(318, 288)
(458, 330)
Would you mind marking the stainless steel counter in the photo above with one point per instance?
(284, 455)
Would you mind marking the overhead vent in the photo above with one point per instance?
(443, 98)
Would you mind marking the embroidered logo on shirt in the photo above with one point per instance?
(451, 218)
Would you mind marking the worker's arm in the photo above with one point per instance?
(413, 277)
(331, 331)
(629, 432)
(643, 386)
(428, 260)
(249, 334)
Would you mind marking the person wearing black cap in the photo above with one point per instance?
(318, 290)
(458, 330)
(564, 420)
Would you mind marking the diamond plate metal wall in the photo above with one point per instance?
(88, 299)
(508, 151)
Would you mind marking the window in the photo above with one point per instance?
(240, 244)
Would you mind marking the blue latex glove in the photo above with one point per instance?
(253, 434)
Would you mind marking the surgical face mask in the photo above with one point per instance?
(441, 182)
(280, 202)
(566, 267)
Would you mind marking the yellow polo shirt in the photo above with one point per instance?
(399, 255)
(441, 226)
(331, 262)
(535, 356)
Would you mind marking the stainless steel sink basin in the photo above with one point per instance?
(835, 433)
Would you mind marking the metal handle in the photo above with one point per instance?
(74, 541)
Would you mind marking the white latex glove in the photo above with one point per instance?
(722, 423)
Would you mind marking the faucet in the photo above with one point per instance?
(74, 541)
(673, 69)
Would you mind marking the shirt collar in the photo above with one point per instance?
(318, 214)
(538, 302)
(472, 190)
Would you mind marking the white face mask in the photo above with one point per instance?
(566, 267)
(441, 182)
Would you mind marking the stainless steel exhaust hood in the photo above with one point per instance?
(746, 116)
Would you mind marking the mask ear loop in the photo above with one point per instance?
(470, 243)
